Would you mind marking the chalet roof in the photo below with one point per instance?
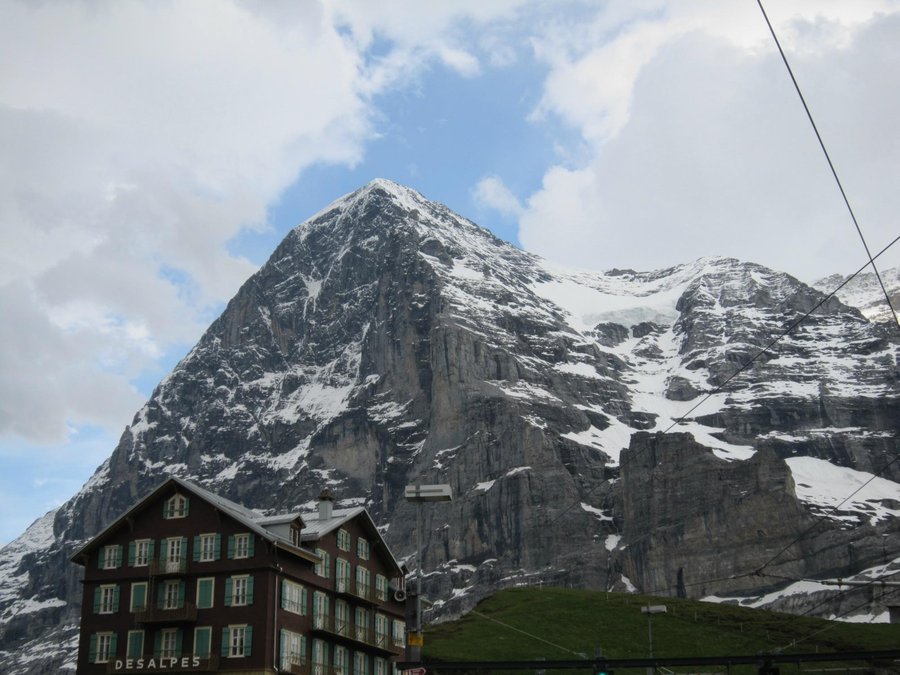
(280, 519)
(313, 528)
(316, 529)
(252, 520)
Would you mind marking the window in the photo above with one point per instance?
(170, 643)
(103, 647)
(380, 666)
(381, 588)
(239, 591)
(362, 549)
(381, 631)
(319, 657)
(295, 536)
(341, 617)
(172, 594)
(323, 569)
(240, 545)
(172, 554)
(343, 540)
(135, 648)
(320, 610)
(292, 650)
(111, 557)
(341, 660)
(361, 624)
(203, 641)
(236, 641)
(138, 596)
(140, 552)
(360, 663)
(293, 597)
(205, 591)
(341, 575)
(106, 599)
(207, 547)
(399, 635)
(363, 577)
(176, 507)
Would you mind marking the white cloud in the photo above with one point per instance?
(696, 144)
(138, 139)
(493, 193)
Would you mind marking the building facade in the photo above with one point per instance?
(187, 581)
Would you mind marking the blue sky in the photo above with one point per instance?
(156, 153)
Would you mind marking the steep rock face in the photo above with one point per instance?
(388, 341)
(690, 516)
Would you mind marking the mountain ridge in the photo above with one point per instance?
(388, 340)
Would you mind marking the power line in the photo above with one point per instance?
(791, 328)
(744, 367)
(837, 180)
(778, 339)
(833, 623)
(519, 630)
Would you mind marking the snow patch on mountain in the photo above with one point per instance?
(844, 494)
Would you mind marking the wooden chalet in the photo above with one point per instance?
(189, 582)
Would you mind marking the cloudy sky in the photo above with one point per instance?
(153, 153)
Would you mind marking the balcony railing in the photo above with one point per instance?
(159, 614)
(159, 568)
(165, 664)
(348, 586)
(359, 634)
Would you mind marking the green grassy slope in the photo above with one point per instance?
(570, 623)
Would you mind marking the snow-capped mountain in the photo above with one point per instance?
(576, 415)
(865, 293)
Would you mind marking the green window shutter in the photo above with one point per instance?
(131, 553)
(92, 649)
(100, 558)
(225, 641)
(183, 549)
(157, 644)
(113, 643)
(284, 594)
(150, 549)
(96, 600)
(187, 506)
(196, 556)
(161, 596)
(248, 639)
(303, 646)
(163, 547)
(166, 509)
(218, 547)
(135, 644)
(116, 599)
(179, 641)
(228, 592)
(139, 596)
(251, 548)
(250, 591)
(119, 555)
(181, 591)
(230, 546)
(304, 600)
(204, 595)
(201, 642)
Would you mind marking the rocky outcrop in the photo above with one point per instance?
(388, 341)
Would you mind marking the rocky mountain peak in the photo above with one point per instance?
(389, 341)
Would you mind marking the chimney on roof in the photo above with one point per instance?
(326, 504)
